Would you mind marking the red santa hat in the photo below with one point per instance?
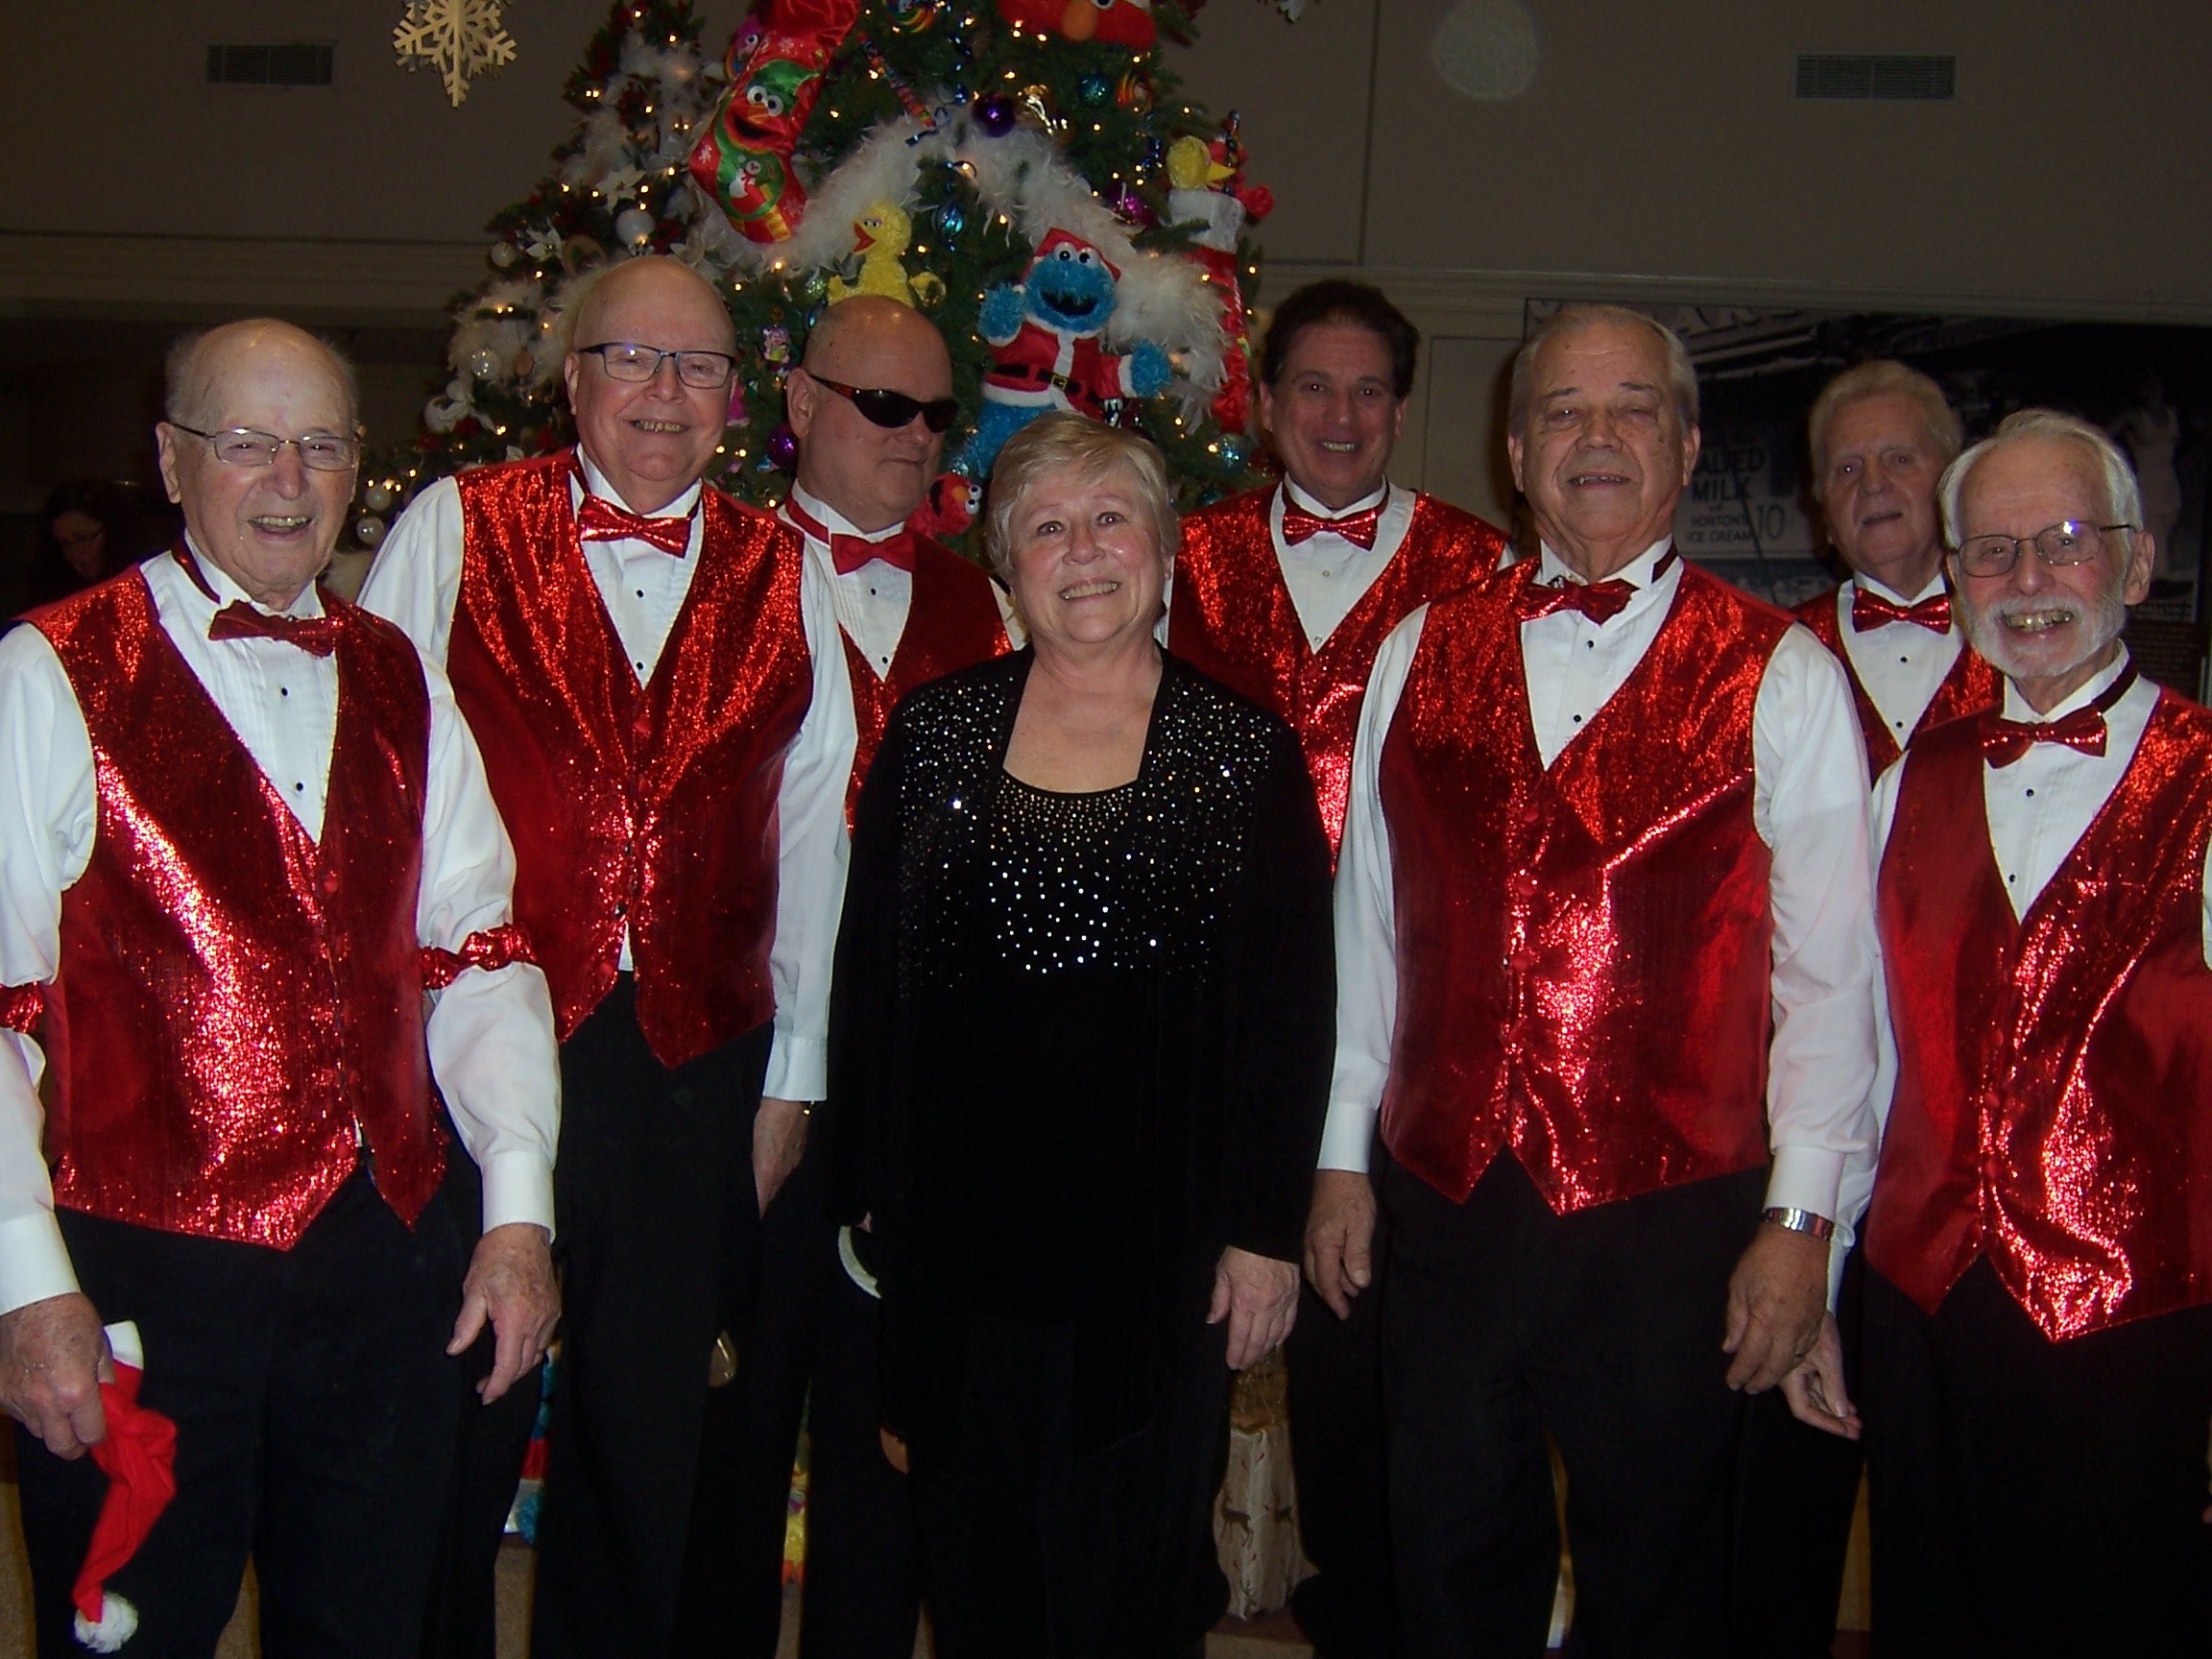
(139, 1458)
(1057, 239)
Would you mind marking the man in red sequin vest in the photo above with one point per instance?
(1286, 594)
(870, 406)
(1605, 966)
(2038, 1323)
(244, 830)
(1881, 434)
(649, 668)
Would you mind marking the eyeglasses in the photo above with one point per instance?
(2065, 543)
(626, 360)
(243, 447)
(893, 409)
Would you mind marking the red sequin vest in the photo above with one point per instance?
(1583, 951)
(1969, 687)
(652, 809)
(1232, 618)
(2053, 1104)
(233, 999)
(953, 622)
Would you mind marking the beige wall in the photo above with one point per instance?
(1657, 154)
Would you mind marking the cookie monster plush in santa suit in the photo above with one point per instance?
(1045, 353)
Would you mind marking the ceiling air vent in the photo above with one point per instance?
(300, 64)
(1870, 75)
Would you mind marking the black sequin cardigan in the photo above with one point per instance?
(1228, 934)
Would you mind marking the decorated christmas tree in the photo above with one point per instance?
(1020, 170)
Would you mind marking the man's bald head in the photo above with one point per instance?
(874, 476)
(197, 359)
(655, 283)
(869, 328)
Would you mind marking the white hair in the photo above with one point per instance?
(2123, 496)
(1681, 373)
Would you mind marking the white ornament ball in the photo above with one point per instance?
(440, 416)
(484, 363)
(368, 530)
(634, 226)
(503, 254)
(376, 498)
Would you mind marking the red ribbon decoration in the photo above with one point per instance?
(488, 947)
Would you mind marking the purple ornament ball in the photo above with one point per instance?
(783, 449)
(994, 115)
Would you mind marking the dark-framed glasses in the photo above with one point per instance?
(243, 447)
(627, 360)
(892, 410)
(2069, 541)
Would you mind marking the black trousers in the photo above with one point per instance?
(733, 1592)
(1797, 1489)
(2032, 1496)
(659, 1249)
(863, 1591)
(314, 1408)
(1031, 1547)
(1337, 1447)
(489, 1444)
(1504, 1323)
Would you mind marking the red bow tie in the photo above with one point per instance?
(1599, 601)
(847, 552)
(2004, 741)
(600, 519)
(1299, 526)
(317, 636)
(1872, 611)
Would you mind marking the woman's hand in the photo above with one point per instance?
(1258, 1296)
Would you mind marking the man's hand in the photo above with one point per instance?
(1815, 1390)
(1776, 1301)
(1340, 1238)
(51, 1352)
(511, 1284)
(1258, 1296)
(779, 1143)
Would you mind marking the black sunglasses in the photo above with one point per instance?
(893, 409)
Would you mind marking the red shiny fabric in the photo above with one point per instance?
(652, 806)
(953, 622)
(235, 999)
(1971, 686)
(1583, 952)
(20, 1007)
(2053, 1104)
(1232, 618)
(490, 948)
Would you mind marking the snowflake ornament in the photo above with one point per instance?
(462, 37)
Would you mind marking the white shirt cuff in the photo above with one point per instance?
(1805, 1178)
(797, 1069)
(1348, 1137)
(518, 1187)
(33, 1262)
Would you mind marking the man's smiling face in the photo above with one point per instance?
(1602, 453)
(654, 438)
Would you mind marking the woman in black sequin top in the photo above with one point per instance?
(1080, 1041)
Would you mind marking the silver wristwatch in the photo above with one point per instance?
(1799, 1221)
